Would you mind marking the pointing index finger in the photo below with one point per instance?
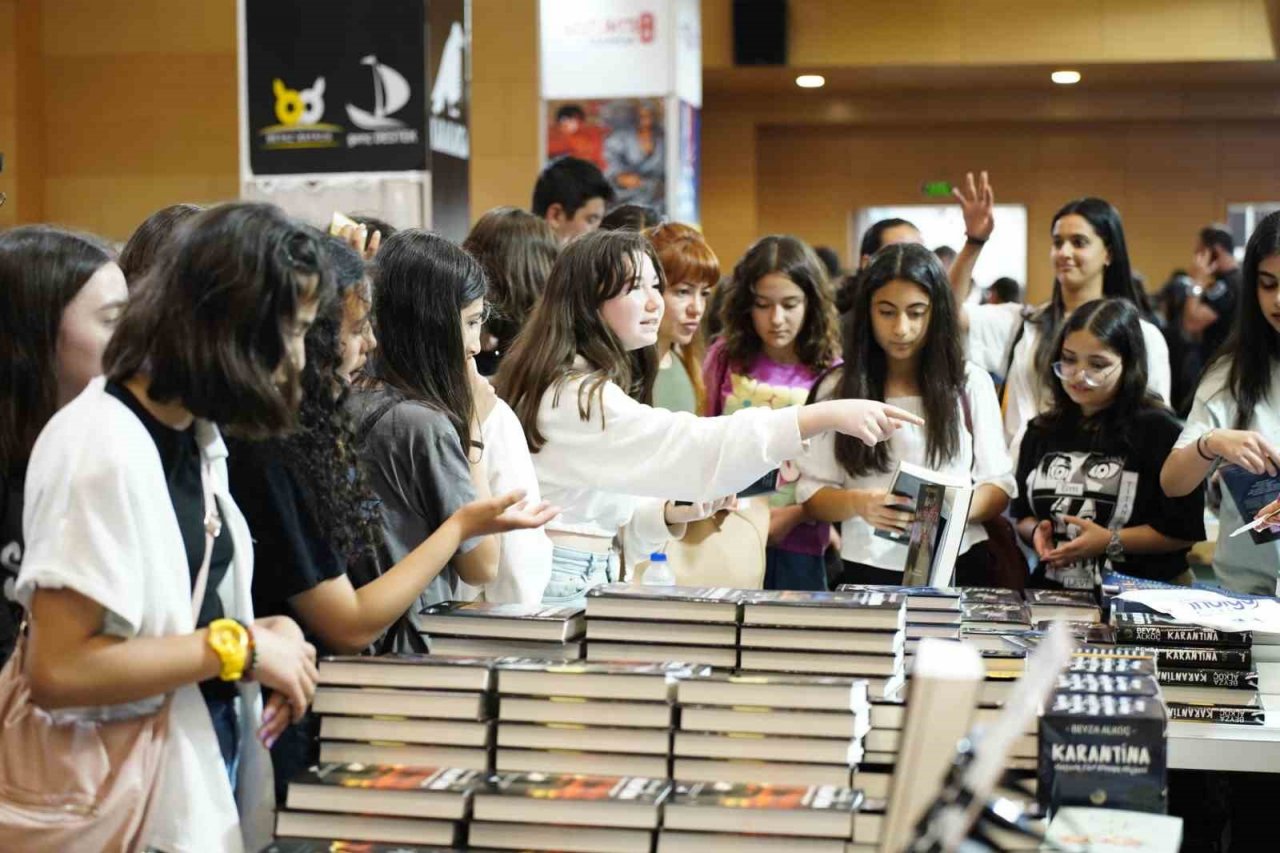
(903, 416)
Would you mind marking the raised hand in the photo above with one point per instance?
(358, 237)
(977, 203)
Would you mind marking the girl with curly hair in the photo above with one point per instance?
(780, 335)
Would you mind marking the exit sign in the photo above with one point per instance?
(936, 189)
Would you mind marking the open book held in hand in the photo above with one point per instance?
(941, 506)
(1251, 492)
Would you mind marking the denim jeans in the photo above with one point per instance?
(227, 729)
(573, 572)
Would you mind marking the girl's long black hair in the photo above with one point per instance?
(1117, 279)
(322, 452)
(941, 377)
(1116, 323)
(421, 284)
(1253, 347)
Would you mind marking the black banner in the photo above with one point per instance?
(449, 54)
(336, 87)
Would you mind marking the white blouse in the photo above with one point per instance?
(618, 467)
(819, 468)
(97, 519)
(992, 329)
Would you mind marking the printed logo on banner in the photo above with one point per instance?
(299, 112)
(391, 92)
(448, 133)
(620, 30)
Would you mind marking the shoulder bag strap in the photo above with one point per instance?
(212, 527)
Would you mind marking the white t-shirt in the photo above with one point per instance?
(618, 468)
(1237, 558)
(992, 329)
(97, 519)
(524, 567)
(819, 468)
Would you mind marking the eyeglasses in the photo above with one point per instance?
(1092, 377)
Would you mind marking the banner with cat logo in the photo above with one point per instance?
(335, 87)
(449, 58)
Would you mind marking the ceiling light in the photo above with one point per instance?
(811, 81)
(1065, 78)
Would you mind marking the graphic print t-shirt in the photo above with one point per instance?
(1101, 477)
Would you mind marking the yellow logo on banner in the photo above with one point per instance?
(294, 106)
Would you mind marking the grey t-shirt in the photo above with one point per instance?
(416, 465)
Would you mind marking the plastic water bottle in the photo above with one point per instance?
(659, 572)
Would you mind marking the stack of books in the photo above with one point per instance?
(1204, 674)
(538, 811)
(416, 710)
(485, 629)
(751, 817)
(786, 729)
(587, 717)
(390, 805)
(852, 634)
(1062, 605)
(655, 624)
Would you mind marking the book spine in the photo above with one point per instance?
(1192, 657)
(1181, 635)
(1228, 679)
(1216, 714)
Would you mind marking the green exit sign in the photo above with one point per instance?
(936, 189)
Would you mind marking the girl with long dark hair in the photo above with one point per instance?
(128, 514)
(60, 298)
(780, 335)
(1088, 475)
(581, 386)
(901, 346)
(1235, 418)
(432, 435)
(1090, 261)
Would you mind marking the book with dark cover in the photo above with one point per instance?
(807, 810)
(1251, 714)
(913, 482)
(924, 536)
(1103, 750)
(431, 672)
(665, 603)
(505, 621)
(996, 615)
(1143, 628)
(1222, 679)
(1192, 657)
(1115, 685)
(360, 788)
(1060, 597)
(819, 609)
(1096, 633)
(990, 595)
(1111, 663)
(1251, 492)
(629, 801)
(918, 597)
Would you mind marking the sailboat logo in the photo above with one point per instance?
(390, 94)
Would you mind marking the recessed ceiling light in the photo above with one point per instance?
(1065, 78)
(811, 81)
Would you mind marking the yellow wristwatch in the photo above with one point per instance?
(230, 641)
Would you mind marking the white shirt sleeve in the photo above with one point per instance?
(817, 465)
(524, 567)
(992, 462)
(1207, 410)
(1021, 389)
(991, 328)
(630, 448)
(1159, 376)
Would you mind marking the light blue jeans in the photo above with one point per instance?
(573, 572)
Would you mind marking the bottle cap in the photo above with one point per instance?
(657, 557)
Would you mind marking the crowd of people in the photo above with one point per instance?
(241, 442)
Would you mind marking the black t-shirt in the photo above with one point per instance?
(291, 552)
(180, 459)
(10, 560)
(1116, 484)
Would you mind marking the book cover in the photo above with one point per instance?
(495, 610)
(822, 598)
(762, 796)
(665, 669)
(1251, 492)
(990, 595)
(1240, 715)
(909, 481)
(1113, 831)
(1101, 682)
(451, 780)
(1191, 657)
(1102, 750)
(1143, 628)
(576, 787)
(1113, 664)
(1061, 597)
(640, 592)
(1014, 615)
(1224, 679)
(1084, 632)
(924, 535)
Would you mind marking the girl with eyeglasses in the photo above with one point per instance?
(1088, 470)
(1235, 419)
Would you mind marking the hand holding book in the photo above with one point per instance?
(883, 510)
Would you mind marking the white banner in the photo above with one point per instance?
(607, 48)
(1209, 609)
